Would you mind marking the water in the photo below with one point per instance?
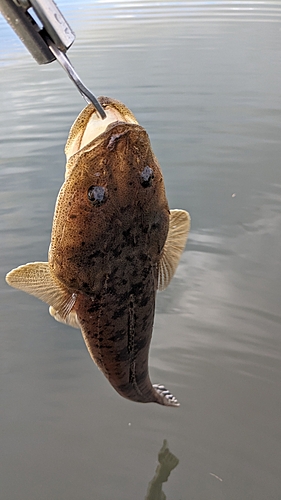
(204, 79)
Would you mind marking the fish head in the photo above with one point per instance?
(88, 124)
(112, 203)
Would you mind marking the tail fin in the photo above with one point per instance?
(167, 398)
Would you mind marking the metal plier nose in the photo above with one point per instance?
(46, 34)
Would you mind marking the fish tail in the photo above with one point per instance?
(166, 398)
(146, 393)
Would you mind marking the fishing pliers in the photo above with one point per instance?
(46, 34)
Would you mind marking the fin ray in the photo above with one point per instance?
(71, 319)
(179, 226)
(168, 398)
(35, 278)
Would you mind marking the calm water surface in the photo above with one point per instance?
(204, 79)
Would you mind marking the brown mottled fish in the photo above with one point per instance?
(114, 243)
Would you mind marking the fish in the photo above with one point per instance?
(114, 244)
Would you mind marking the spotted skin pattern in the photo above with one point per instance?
(114, 242)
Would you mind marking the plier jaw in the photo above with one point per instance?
(46, 34)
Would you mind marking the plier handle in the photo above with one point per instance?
(46, 34)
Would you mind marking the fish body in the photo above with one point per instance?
(114, 243)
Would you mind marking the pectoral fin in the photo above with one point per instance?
(179, 226)
(35, 278)
(71, 318)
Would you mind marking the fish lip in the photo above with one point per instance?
(88, 125)
(124, 126)
(103, 140)
(106, 135)
(113, 125)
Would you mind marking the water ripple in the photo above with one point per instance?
(150, 11)
(153, 11)
(117, 14)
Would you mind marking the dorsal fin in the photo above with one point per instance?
(179, 226)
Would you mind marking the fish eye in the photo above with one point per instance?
(146, 176)
(97, 195)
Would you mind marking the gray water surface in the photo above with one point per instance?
(204, 79)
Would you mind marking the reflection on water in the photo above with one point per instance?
(167, 462)
(204, 80)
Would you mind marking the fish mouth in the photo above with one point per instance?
(88, 126)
